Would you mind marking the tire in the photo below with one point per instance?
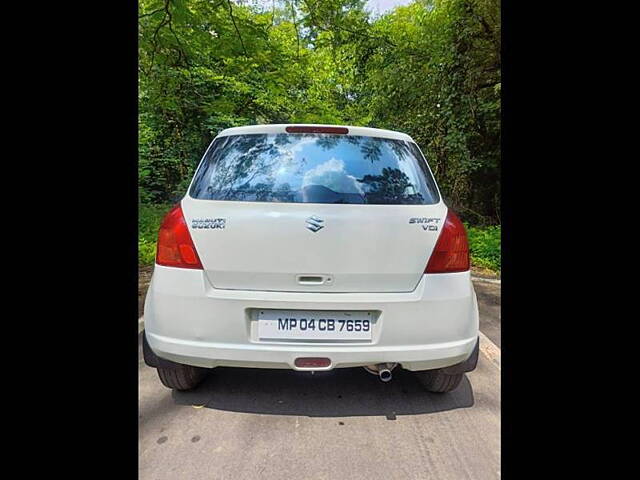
(182, 377)
(437, 381)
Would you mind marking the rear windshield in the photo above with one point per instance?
(314, 168)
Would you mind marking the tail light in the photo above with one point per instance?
(316, 129)
(451, 253)
(175, 245)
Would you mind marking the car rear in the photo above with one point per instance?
(312, 248)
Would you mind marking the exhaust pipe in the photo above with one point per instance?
(382, 370)
(385, 374)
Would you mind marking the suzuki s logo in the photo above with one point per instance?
(314, 223)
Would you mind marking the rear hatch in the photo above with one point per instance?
(313, 212)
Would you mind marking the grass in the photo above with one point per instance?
(149, 219)
(484, 242)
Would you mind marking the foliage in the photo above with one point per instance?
(149, 219)
(430, 69)
(484, 244)
(438, 80)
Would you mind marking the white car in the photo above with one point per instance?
(312, 247)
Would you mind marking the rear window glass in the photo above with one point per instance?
(314, 168)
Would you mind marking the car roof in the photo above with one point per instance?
(281, 128)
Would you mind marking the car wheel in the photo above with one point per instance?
(182, 377)
(437, 381)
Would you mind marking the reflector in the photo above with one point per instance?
(312, 362)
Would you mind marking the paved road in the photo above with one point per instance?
(489, 306)
(273, 424)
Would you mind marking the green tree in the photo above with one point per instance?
(430, 69)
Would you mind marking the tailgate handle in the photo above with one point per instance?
(314, 279)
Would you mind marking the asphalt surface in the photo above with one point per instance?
(488, 295)
(274, 424)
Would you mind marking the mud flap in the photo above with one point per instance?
(468, 365)
(151, 359)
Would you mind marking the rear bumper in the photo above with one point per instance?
(188, 321)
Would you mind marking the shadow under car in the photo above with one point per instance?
(337, 393)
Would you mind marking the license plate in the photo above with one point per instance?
(314, 325)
